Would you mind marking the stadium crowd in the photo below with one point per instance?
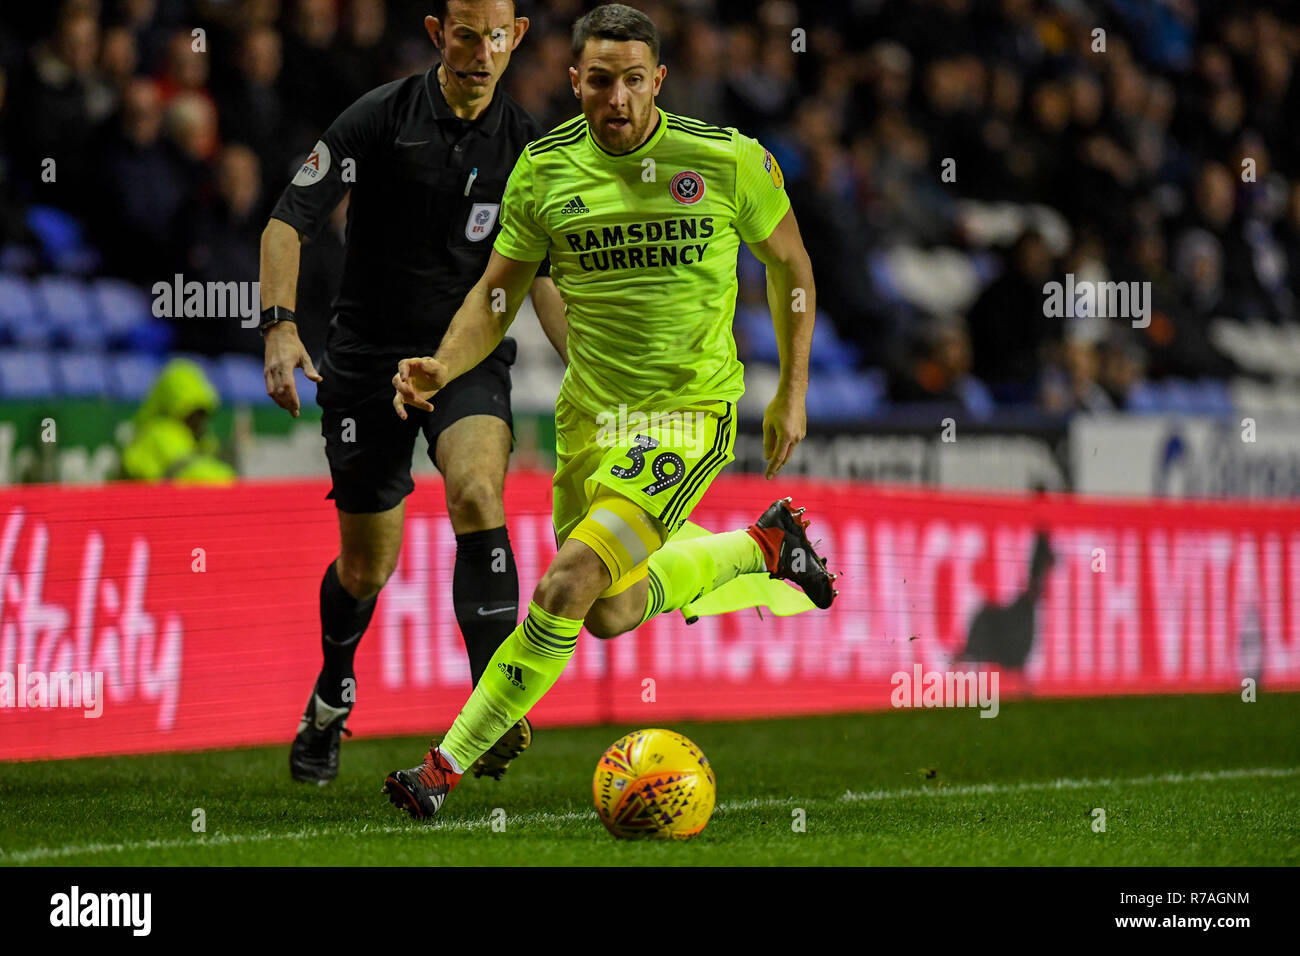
(1125, 140)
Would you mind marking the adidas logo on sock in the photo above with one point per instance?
(514, 673)
(574, 206)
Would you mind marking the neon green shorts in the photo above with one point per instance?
(662, 462)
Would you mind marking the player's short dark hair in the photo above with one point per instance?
(615, 21)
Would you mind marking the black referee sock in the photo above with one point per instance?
(485, 591)
(343, 619)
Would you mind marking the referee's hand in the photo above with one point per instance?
(284, 353)
(417, 380)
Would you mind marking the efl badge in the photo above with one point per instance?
(687, 187)
(481, 220)
(773, 169)
(315, 167)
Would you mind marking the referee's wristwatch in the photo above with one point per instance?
(274, 316)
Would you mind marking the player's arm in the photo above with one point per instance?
(793, 300)
(280, 259)
(476, 329)
(550, 313)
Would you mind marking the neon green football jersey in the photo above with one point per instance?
(643, 249)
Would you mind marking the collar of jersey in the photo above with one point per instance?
(488, 122)
(640, 150)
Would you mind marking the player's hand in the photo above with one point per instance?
(284, 353)
(784, 425)
(417, 380)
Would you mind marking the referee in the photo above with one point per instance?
(426, 159)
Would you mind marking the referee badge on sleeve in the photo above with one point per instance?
(315, 166)
(481, 220)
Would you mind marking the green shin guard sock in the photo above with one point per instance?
(519, 674)
(681, 571)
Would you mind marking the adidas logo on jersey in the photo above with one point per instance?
(574, 206)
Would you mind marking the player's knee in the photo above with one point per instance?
(569, 587)
(474, 504)
(606, 623)
(362, 578)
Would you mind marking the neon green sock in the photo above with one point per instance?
(681, 571)
(522, 670)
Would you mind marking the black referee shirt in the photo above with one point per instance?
(426, 198)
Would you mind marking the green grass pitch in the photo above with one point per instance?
(1189, 780)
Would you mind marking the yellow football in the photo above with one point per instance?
(654, 784)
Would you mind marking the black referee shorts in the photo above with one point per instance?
(369, 447)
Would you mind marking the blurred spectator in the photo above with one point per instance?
(59, 104)
(939, 370)
(185, 71)
(225, 248)
(170, 439)
(1175, 342)
(118, 57)
(191, 123)
(1137, 153)
(255, 112)
(694, 87)
(1008, 329)
(362, 59)
(144, 191)
(310, 79)
(1070, 384)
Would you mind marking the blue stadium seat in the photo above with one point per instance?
(244, 382)
(122, 307)
(67, 307)
(1216, 396)
(883, 280)
(842, 396)
(26, 374)
(62, 239)
(1180, 395)
(21, 321)
(828, 350)
(82, 374)
(756, 340)
(131, 376)
(1145, 398)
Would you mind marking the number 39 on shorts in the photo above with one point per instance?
(668, 468)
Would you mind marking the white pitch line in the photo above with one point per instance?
(574, 816)
(1067, 783)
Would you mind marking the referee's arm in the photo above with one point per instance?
(281, 250)
(476, 329)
